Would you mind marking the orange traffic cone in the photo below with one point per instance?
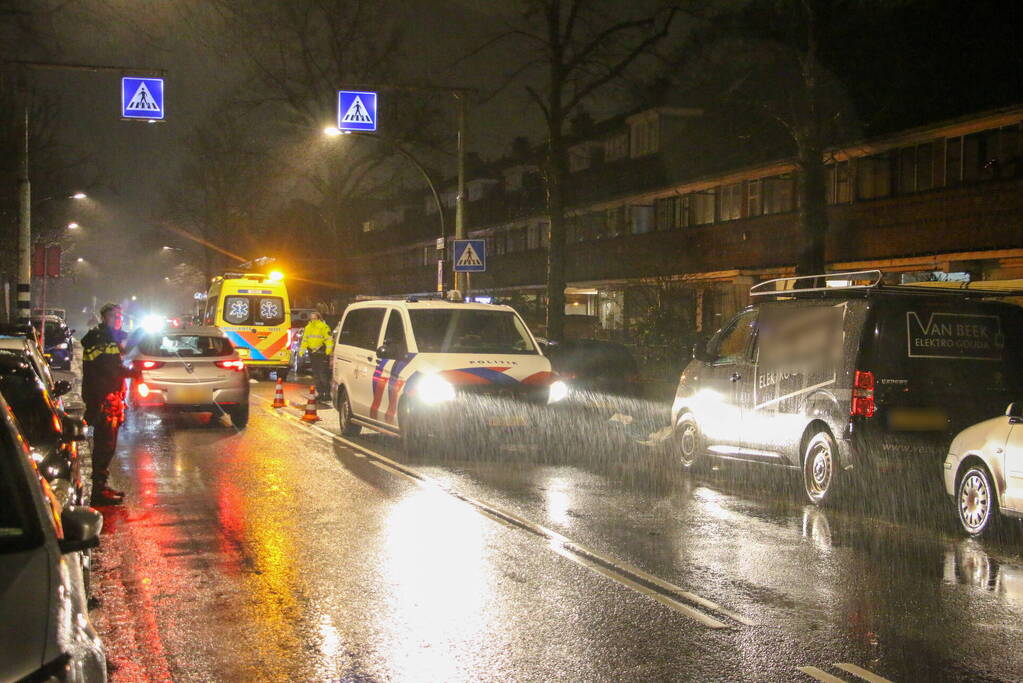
(310, 407)
(279, 393)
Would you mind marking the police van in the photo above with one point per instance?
(423, 370)
(860, 378)
(253, 311)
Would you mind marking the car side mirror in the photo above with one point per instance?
(390, 351)
(703, 350)
(73, 429)
(61, 387)
(1015, 412)
(81, 526)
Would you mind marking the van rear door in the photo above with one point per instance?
(940, 365)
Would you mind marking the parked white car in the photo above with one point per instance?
(414, 368)
(984, 471)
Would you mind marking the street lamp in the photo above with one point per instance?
(79, 260)
(72, 226)
(79, 195)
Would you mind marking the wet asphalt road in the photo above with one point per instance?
(280, 553)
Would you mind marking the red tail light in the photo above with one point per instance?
(863, 394)
(231, 365)
(147, 364)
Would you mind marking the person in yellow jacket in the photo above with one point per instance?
(318, 340)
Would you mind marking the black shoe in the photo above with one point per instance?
(100, 499)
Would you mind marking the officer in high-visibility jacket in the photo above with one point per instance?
(318, 340)
(103, 375)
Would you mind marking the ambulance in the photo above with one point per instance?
(253, 311)
(427, 371)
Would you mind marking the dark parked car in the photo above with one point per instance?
(861, 379)
(52, 434)
(592, 365)
(44, 616)
(58, 341)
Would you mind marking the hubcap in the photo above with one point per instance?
(687, 443)
(820, 468)
(974, 502)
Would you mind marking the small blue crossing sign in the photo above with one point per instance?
(142, 98)
(470, 256)
(357, 111)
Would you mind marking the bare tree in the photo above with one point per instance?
(574, 50)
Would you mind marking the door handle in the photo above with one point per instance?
(735, 377)
(369, 359)
(999, 451)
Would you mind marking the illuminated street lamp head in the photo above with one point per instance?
(276, 275)
(331, 131)
(80, 260)
(72, 225)
(134, 298)
(79, 195)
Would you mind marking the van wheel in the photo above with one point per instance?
(686, 445)
(820, 468)
(344, 413)
(976, 503)
(415, 440)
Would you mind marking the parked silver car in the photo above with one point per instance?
(44, 616)
(190, 370)
(984, 471)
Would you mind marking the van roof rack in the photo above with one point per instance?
(803, 284)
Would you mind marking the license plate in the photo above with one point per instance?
(917, 420)
(193, 395)
(507, 421)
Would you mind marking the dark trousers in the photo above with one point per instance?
(106, 418)
(321, 373)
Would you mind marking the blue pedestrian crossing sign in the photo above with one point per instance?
(470, 256)
(357, 111)
(142, 98)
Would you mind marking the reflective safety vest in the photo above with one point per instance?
(317, 335)
(102, 371)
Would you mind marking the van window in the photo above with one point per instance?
(253, 310)
(961, 346)
(361, 327)
(211, 311)
(733, 345)
(394, 337)
(452, 330)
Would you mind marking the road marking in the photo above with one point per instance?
(814, 672)
(862, 673)
(636, 579)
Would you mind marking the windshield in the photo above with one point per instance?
(186, 346)
(470, 331)
(254, 310)
(54, 331)
(28, 402)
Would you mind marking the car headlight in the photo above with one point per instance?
(434, 389)
(61, 346)
(558, 391)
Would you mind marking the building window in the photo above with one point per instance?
(644, 137)
(617, 147)
(953, 161)
(754, 207)
(916, 168)
(641, 218)
(874, 176)
(545, 234)
(533, 237)
(777, 194)
(987, 155)
(839, 189)
(702, 204)
(731, 202)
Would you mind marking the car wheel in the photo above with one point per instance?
(820, 468)
(686, 444)
(344, 413)
(239, 416)
(976, 503)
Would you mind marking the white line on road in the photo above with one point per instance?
(627, 575)
(814, 672)
(862, 673)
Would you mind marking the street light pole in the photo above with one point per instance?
(24, 229)
(461, 279)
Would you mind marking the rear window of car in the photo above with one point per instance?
(186, 346)
(966, 346)
(253, 310)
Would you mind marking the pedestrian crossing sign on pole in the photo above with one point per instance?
(356, 111)
(470, 256)
(142, 98)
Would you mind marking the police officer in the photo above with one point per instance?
(103, 376)
(319, 342)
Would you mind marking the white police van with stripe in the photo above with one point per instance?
(422, 370)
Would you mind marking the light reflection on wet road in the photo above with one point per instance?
(276, 555)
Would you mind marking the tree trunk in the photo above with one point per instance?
(813, 211)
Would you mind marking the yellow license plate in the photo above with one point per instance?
(193, 395)
(917, 420)
(507, 421)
